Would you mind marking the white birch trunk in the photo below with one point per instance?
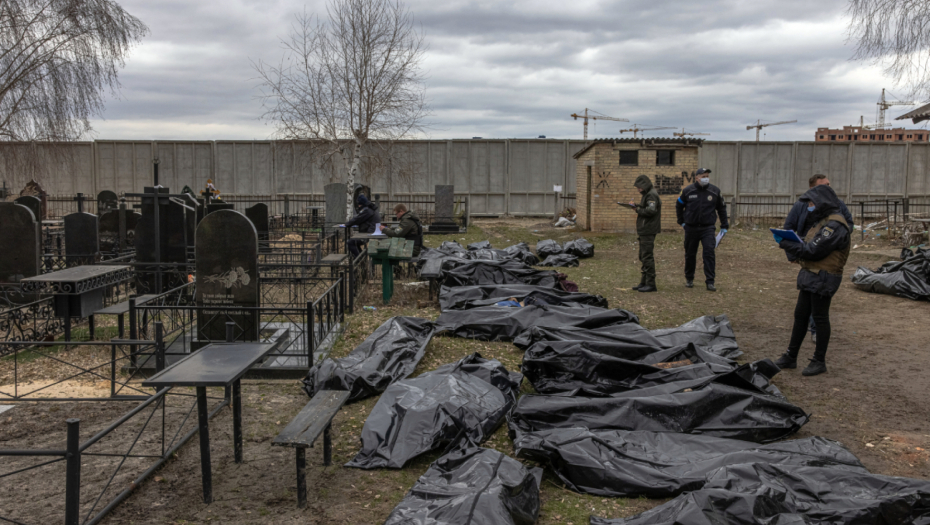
(350, 177)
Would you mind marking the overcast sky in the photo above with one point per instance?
(520, 68)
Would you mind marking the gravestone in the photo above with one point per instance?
(19, 243)
(218, 205)
(110, 237)
(227, 276)
(176, 226)
(33, 203)
(107, 200)
(335, 194)
(258, 214)
(81, 238)
(443, 219)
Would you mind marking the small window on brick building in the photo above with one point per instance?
(665, 157)
(871, 137)
(920, 137)
(629, 158)
(821, 137)
(887, 136)
(841, 137)
(900, 137)
(832, 137)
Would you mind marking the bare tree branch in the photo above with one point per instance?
(57, 58)
(351, 79)
(896, 35)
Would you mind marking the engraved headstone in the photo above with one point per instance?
(227, 276)
(110, 229)
(443, 220)
(335, 194)
(81, 238)
(33, 203)
(19, 243)
(107, 200)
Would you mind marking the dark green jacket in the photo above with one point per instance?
(410, 229)
(649, 209)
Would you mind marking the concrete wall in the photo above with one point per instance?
(501, 175)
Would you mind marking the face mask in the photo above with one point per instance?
(810, 209)
(704, 181)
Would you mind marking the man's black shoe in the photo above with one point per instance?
(786, 361)
(638, 286)
(815, 368)
(648, 288)
(711, 287)
(689, 284)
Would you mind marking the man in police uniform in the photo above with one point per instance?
(648, 225)
(697, 209)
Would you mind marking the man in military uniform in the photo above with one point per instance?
(410, 228)
(648, 224)
(697, 209)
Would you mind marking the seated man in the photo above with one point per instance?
(410, 228)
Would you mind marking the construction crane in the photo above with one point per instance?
(759, 125)
(883, 105)
(636, 129)
(598, 116)
(687, 133)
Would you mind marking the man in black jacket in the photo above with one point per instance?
(365, 218)
(648, 225)
(697, 209)
(822, 257)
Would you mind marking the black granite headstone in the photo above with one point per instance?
(335, 203)
(81, 238)
(443, 220)
(110, 232)
(227, 276)
(219, 205)
(33, 203)
(20, 243)
(106, 200)
(258, 214)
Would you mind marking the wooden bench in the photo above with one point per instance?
(316, 418)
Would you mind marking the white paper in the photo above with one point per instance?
(377, 229)
(719, 238)
(556, 188)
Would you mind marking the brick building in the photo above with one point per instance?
(605, 171)
(858, 134)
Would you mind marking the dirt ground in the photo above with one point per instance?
(872, 399)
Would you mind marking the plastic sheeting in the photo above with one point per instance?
(504, 323)
(563, 260)
(521, 252)
(473, 273)
(909, 279)
(474, 486)
(467, 297)
(548, 247)
(713, 334)
(480, 245)
(580, 248)
(389, 354)
(602, 368)
(729, 405)
(759, 494)
(466, 400)
(619, 463)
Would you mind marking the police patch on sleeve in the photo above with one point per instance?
(827, 232)
(652, 204)
(710, 197)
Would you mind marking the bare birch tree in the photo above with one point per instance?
(351, 79)
(57, 60)
(895, 34)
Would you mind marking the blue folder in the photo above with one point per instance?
(788, 235)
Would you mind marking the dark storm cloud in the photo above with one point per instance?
(518, 69)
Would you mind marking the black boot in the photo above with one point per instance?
(711, 287)
(638, 286)
(815, 368)
(646, 288)
(786, 361)
(689, 283)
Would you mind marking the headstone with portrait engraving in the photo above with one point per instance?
(335, 195)
(106, 200)
(227, 277)
(20, 243)
(82, 240)
(443, 218)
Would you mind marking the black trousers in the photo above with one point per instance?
(811, 305)
(703, 235)
(355, 247)
(647, 244)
